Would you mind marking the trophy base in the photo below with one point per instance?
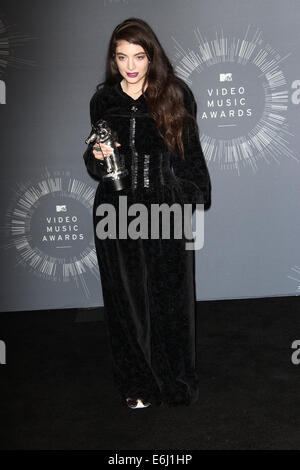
(112, 184)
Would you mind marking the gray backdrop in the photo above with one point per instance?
(240, 58)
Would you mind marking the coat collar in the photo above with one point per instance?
(140, 102)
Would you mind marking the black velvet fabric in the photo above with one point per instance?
(148, 285)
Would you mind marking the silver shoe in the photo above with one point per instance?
(137, 403)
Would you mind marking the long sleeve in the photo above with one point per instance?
(192, 173)
(92, 163)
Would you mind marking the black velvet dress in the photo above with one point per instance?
(148, 285)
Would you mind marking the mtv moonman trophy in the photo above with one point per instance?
(116, 177)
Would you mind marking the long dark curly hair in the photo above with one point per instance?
(164, 95)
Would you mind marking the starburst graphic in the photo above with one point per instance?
(10, 39)
(296, 276)
(48, 224)
(242, 99)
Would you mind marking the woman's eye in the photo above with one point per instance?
(121, 57)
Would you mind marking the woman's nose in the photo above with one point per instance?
(131, 65)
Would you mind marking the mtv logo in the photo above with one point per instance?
(61, 208)
(225, 77)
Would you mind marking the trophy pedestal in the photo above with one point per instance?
(116, 184)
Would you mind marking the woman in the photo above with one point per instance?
(149, 284)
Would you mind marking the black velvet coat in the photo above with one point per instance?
(148, 285)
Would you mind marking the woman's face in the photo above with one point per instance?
(131, 59)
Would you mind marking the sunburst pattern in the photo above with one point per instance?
(54, 249)
(9, 41)
(228, 139)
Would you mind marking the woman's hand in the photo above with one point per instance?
(106, 149)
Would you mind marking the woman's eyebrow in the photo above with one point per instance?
(138, 53)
